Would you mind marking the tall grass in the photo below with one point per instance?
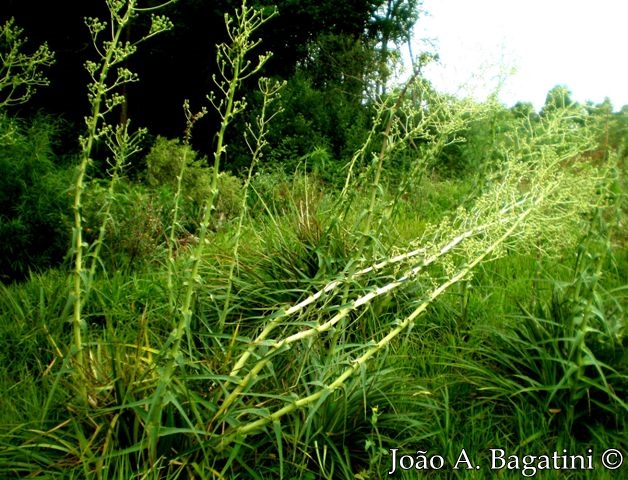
(318, 330)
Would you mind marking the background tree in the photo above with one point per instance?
(337, 48)
(390, 26)
(557, 98)
(611, 128)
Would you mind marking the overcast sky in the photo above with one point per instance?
(582, 44)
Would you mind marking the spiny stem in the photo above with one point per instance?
(102, 100)
(247, 21)
(87, 144)
(252, 427)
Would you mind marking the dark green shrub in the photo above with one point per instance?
(168, 158)
(34, 199)
(135, 229)
(320, 123)
(140, 218)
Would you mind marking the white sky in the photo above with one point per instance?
(582, 44)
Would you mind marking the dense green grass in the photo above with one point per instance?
(324, 330)
(527, 355)
(280, 325)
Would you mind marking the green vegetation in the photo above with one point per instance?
(438, 275)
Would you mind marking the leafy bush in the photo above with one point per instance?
(135, 229)
(168, 158)
(320, 123)
(34, 199)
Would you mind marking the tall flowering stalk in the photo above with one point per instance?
(108, 75)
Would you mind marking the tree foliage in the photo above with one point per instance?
(333, 44)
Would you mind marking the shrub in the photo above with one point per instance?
(135, 229)
(34, 201)
(165, 161)
(322, 123)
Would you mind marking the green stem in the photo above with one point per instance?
(382, 157)
(87, 146)
(360, 361)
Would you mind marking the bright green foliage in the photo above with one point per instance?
(327, 326)
(165, 162)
